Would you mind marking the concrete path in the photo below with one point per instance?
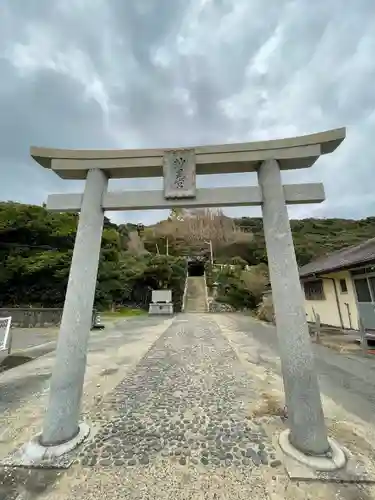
(29, 343)
(349, 379)
(21, 384)
(25, 338)
(181, 409)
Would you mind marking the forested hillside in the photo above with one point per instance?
(243, 237)
(36, 248)
(35, 252)
(312, 237)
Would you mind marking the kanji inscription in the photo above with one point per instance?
(179, 174)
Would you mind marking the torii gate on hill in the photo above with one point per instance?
(307, 437)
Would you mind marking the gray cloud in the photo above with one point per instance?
(154, 73)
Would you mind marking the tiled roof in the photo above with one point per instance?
(348, 257)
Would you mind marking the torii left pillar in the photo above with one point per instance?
(61, 423)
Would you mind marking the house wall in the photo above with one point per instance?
(328, 308)
(347, 301)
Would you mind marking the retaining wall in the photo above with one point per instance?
(32, 317)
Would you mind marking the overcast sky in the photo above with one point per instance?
(154, 73)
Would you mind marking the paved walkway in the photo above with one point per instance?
(178, 411)
(187, 401)
(349, 379)
(25, 338)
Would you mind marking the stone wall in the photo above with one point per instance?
(32, 317)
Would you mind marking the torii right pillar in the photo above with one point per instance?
(307, 430)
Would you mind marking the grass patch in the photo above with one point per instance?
(268, 405)
(123, 312)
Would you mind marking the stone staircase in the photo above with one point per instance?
(196, 295)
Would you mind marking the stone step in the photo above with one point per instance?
(196, 295)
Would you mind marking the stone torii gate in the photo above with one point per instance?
(307, 436)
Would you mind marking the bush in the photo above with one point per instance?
(265, 310)
(231, 290)
(238, 261)
(256, 280)
(235, 294)
(239, 288)
(155, 272)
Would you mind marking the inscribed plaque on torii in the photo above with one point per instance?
(179, 174)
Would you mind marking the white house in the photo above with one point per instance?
(341, 287)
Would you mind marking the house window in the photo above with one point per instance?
(362, 289)
(363, 270)
(343, 286)
(314, 290)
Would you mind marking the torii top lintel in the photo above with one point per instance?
(291, 153)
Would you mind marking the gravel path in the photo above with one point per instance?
(185, 402)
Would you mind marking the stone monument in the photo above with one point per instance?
(161, 303)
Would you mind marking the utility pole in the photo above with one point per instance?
(211, 252)
(167, 246)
